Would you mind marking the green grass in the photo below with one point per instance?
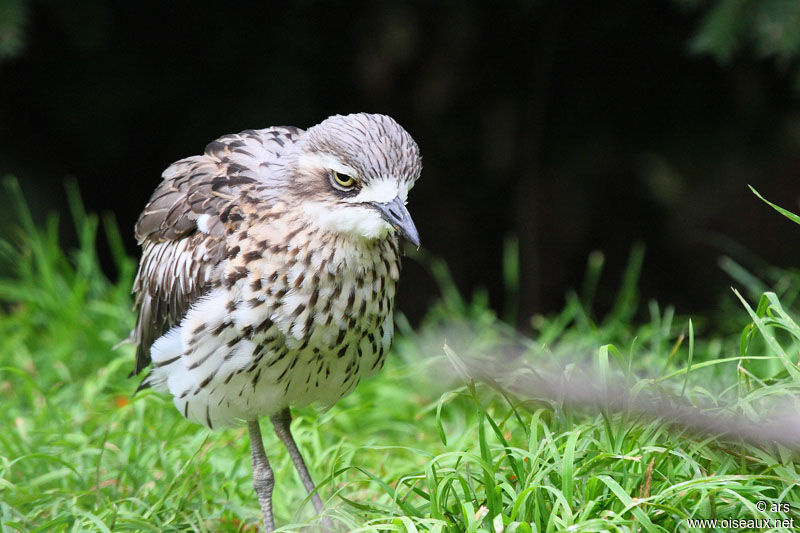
(412, 449)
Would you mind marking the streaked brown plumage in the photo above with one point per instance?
(268, 272)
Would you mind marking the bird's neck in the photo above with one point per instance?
(357, 254)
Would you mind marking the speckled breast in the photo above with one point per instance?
(305, 320)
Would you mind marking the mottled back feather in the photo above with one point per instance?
(182, 228)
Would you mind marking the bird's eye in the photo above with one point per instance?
(343, 180)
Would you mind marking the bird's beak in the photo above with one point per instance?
(396, 214)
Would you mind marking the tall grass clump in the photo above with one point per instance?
(437, 442)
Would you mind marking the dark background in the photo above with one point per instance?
(574, 126)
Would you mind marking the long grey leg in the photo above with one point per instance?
(281, 423)
(263, 478)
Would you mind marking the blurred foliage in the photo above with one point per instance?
(548, 129)
(771, 27)
(13, 16)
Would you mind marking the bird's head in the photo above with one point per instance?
(354, 172)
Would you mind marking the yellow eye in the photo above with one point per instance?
(343, 180)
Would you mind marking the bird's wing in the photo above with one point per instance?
(182, 229)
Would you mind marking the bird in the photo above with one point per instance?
(268, 273)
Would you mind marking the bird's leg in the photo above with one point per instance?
(263, 478)
(281, 423)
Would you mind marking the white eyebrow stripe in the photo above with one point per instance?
(327, 161)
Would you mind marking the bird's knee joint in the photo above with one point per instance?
(264, 482)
